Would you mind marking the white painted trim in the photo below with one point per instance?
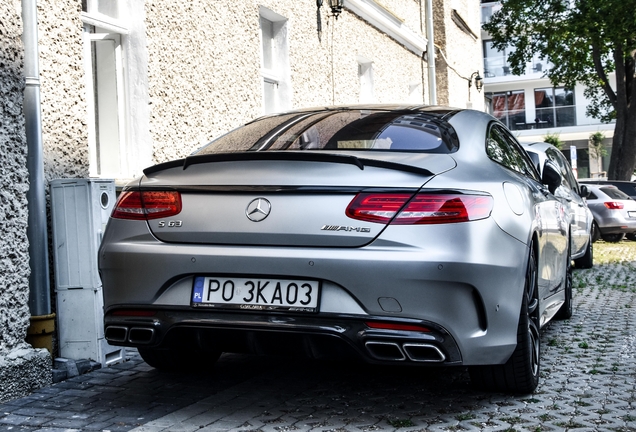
(102, 21)
(90, 104)
(385, 21)
(271, 76)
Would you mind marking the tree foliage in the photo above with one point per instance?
(586, 41)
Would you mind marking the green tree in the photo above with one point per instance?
(586, 41)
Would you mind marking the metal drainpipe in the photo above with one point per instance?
(430, 49)
(42, 325)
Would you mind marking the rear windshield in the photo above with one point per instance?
(341, 130)
(614, 193)
(629, 189)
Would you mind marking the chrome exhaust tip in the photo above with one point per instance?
(116, 334)
(419, 352)
(385, 350)
(141, 335)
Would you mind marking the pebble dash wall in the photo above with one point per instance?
(63, 92)
(22, 368)
(204, 61)
(463, 51)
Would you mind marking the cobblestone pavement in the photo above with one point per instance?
(588, 384)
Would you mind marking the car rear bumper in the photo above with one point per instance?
(326, 336)
(469, 296)
(617, 226)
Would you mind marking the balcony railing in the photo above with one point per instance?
(499, 67)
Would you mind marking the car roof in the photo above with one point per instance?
(608, 182)
(538, 146)
(444, 111)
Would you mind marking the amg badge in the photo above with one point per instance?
(345, 228)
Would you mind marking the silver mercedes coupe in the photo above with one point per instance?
(393, 234)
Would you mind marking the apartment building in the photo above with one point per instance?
(532, 107)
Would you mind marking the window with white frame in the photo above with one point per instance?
(365, 75)
(106, 97)
(555, 107)
(275, 70)
(510, 108)
(495, 61)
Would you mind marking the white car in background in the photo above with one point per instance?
(614, 212)
(572, 195)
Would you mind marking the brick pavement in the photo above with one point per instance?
(588, 384)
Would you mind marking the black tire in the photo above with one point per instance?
(565, 311)
(587, 260)
(520, 374)
(179, 360)
(596, 233)
(631, 236)
(613, 238)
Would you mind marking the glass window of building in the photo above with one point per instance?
(554, 107)
(365, 76)
(106, 90)
(495, 62)
(510, 108)
(275, 62)
(109, 8)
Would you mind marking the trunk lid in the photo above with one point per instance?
(280, 199)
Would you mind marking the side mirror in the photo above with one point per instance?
(535, 159)
(585, 192)
(551, 177)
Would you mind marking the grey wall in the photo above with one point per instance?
(22, 368)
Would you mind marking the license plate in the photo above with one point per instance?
(632, 214)
(256, 294)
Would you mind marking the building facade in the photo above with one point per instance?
(127, 84)
(532, 107)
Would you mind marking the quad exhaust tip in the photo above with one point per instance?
(134, 335)
(416, 352)
(419, 352)
(385, 350)
(116, 334)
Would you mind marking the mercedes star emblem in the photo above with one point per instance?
(258, 209)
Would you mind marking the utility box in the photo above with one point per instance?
(80, 209)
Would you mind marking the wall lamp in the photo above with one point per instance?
(479, 81)
(336, 7)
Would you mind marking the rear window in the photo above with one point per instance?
(627, 188)
(365, 130)
(614, 193)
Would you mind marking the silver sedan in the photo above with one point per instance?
(391, 234)
(614, 212)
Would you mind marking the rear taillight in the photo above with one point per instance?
(376, 207)
(424, 208)
(144, 205)
(613, 205)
